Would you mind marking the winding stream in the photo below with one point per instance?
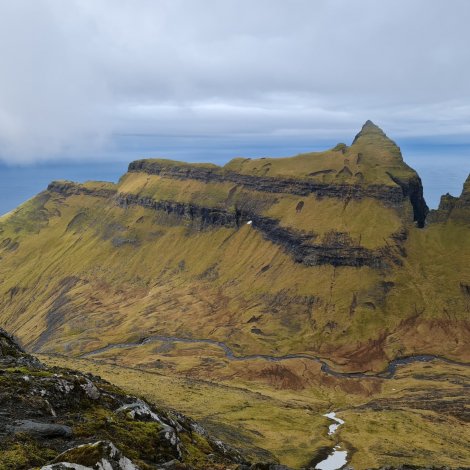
(388, 373)
(333, 427)
(337, 457)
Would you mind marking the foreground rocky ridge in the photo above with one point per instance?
(62, 418)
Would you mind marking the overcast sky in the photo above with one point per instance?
(103, 78)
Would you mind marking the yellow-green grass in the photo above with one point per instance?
(167, 189)
(173, 278)
(383, 425)
(396, 436)
(367, 221)
(266, 426)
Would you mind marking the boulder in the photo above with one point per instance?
(98, 455)
(43, 430)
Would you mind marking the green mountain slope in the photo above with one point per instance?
(324, 253)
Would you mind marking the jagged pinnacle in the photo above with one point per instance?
(370, 125)
(369, 128)
(466, 184)
(466, 189)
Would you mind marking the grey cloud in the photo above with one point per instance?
(75, 73)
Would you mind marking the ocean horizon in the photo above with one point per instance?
(443, 168)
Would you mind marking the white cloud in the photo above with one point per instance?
(75, 73)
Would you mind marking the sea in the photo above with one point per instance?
(20, 183)
(442, 168)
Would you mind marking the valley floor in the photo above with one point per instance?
(419, 417)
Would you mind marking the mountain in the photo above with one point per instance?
(326, 253)
(293, 285)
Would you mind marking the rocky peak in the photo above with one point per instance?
(370, 129)
(462, 204)
(8, 346)
(370, 126)
(12, 355)
(377, 147)
(466, 190)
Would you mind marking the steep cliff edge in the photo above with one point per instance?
(405, 177)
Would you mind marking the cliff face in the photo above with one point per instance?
(312, 253)
(337, 250)
(288, 185)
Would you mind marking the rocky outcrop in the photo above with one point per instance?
(412, 189)
(69, 188)
(456, 209)
(337, 250)
(9, 348)
(40, 430)
(101, 454)
(465, 196)
(442, 213)
(12, 354)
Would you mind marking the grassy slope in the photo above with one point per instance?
(126, 291)
(417, 418)
(149, 285)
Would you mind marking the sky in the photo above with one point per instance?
(93, 81)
